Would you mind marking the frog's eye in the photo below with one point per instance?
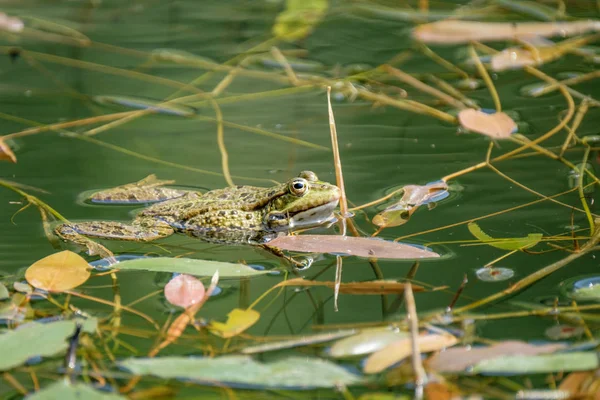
(298, 187)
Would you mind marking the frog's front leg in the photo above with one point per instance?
(141, 230)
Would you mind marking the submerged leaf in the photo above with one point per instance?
(413, 196)
(238, 321)
(497, 125)
(243, 371)
(402, 349)
(63, 390)
(184, 290)
(367, 341)
(5, 151)
(190, 266)
(368, 287)
(34, 339)
(299, 18)
(505, 243)
(460, 359)
(58, 272)
(539, 364)
(354, 246)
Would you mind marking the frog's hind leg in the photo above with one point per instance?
(139, 231)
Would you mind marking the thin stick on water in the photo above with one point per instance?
(413, 322)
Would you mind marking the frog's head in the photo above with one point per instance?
(306, 201)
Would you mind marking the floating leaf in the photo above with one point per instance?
(368, 287)
(354, 246)
(63, 390)
(460, 359)
(413, 196)
(539, 364)
(400, 350)
(35, 339)
(562, 332)
(238, 321)
(505, 243)
(243, 371)
(23, 287)
(494, 274)
(497, 125)
(5, 151)
(190, 266)
(455, 31)
(299, 18)
(367, 341)
(58, 272)
(3, 292)
(304, 340)
(10, 24)
(156, 106)
(17, 309)
(184, 290)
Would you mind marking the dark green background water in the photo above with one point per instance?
(381, 148)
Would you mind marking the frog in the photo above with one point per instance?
(233, 215)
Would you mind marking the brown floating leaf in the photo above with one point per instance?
(238, 321)
(184, 290)
(6, 153)
(354, 246)
(398, 351)
(497, 126)
(458, 359)
(58, 272)
(368, 287)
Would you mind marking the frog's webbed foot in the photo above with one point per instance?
(279, 253)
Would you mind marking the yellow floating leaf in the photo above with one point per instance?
(299, 19)
(505, 243)
(238, 321)
(6, 153)
(398, 351)
(368, 287)
(497, 125)
(58, 272)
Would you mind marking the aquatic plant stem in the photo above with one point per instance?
(536, 276)
(584, 203)
(486, 78)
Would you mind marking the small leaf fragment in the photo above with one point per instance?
(497, 125)
(505, 243)
(238, 321)
(58, 272)
(368, 341)
(5, 151)
(184, 290)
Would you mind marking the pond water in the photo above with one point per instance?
(57, 79)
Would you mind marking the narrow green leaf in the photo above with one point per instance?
(190, 266)
(539, 364)
(243, 371)
(65, 391)
(505, 243)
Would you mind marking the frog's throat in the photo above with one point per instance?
(313, 216)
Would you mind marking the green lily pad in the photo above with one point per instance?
(539, 364)
(65, 391)
(243, 371)
(190, 266)
(505, 243)
(36, 339)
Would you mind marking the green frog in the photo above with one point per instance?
(234, 215)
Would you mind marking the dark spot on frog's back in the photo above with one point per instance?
(222, 213)
(224, 196)
(233, 212)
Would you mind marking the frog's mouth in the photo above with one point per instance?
(313, 216)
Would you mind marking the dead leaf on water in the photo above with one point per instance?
(400, 350)
(58, 272)
(458, 359)
(5, 152)
(184, 290)
(238, 321)
(368, 287)
(497, 125)
(353, 246)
